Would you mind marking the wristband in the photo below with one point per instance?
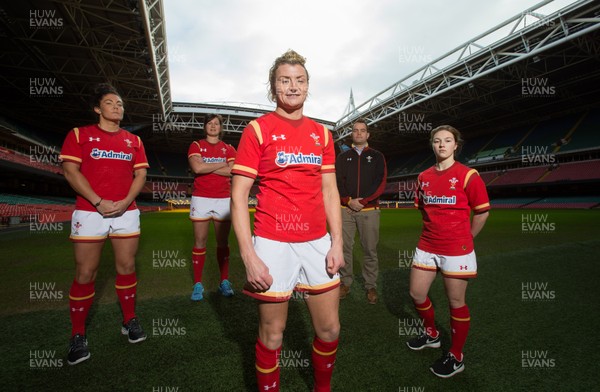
(97, 204)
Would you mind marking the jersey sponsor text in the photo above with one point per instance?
(103, 154)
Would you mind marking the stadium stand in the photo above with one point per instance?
(567, 202)
(574, 171)
(547, 202)
(527, 175)
(497, 145)
(488, 176)
(513, 202)
(15, 209)
(41, 162)
(168, 164)
(586, 136)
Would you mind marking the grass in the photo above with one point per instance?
(209, 346)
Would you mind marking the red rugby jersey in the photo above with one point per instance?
(446, 199)
(210, 184)
(289, 158)
(106, 159)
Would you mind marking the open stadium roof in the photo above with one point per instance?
(53, 52)
(531, 67)
(534, 66)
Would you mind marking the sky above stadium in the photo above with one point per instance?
(221, 51)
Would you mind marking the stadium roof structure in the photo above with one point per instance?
(185, 123)
(53, 52)
(536, 65)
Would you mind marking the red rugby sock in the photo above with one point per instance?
(198, 258)
(460, 320)
(81, 297)
(323, 358)
(267, 367)
(126, 286)
(427, 314)
(223, 259)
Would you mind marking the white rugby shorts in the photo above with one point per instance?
(88, 226)
(299, 266)
(464, 266)
(207, 208)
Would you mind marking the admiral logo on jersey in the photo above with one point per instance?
(214, 159)
(284, 159)
(429, 199)
(103, 154)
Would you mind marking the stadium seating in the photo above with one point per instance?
(527, 175)
(585, 136)
(23, 209)
(487, 177)
(574, 171)
(168, 164)
(15, 209)
(513, 202)
(547, 133)
(567, 202)
(27, 160)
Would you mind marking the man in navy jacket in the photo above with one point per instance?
(361, 175)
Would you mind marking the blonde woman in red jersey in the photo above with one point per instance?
(294, 159)
(106, 165)
(448, 193)
(211, 160)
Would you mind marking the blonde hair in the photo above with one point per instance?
(290, 57)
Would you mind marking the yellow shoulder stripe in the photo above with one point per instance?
(326, 133)
(257, 131)
(469, 174)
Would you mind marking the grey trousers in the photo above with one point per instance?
(367, 223)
